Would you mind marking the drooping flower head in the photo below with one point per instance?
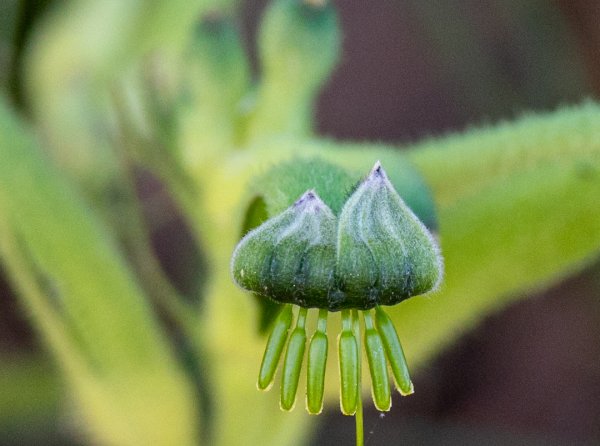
(376, 252)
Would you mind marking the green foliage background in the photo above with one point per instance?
(516, 206)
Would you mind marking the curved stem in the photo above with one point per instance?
(358, 416)
(22, 276)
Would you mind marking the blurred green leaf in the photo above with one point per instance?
(516, 205)
(121, 360)
(8, 32)
(518, 211)
(30, 390)
(299, 45)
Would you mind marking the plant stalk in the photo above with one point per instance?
(358, 416)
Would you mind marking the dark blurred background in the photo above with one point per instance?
(410, 69)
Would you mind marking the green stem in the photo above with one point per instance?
(133, 230)
(136, 237)
(48, 321)
(358, 416)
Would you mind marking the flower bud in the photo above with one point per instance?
(384, 253)
(290, 258)
(376, 253)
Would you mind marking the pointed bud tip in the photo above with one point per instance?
(310, 201)
(377, 172)
(377, 177)
(306, 196)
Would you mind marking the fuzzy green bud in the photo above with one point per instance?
(289, 257)
(376, 253)
(384, 253)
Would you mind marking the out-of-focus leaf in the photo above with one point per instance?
(8, 31)
(73, 65)
(518, 211)
(120, 362)
(216, 76)
(30, 391)
(299, 45)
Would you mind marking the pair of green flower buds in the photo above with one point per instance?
(375, 252)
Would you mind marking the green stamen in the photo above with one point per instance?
(394, 352)
(380, 384)
(274, 347)
(293, 362)
(317, 361)
(349, 365)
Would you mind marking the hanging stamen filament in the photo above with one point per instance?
(380, 384)
(292, 363)
(275, 344)
(349, 365)
(317, 361)
(373, 251)
(394, 352)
